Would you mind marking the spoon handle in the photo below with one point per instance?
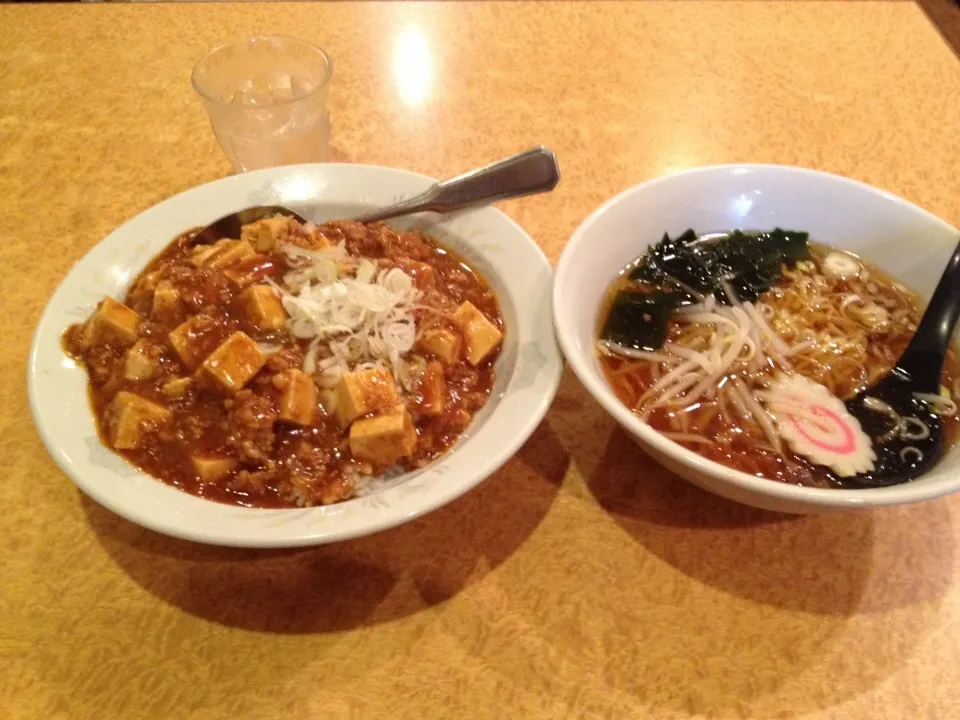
(923, 359)
(528, 173)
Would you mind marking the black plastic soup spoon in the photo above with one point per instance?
(910, 445)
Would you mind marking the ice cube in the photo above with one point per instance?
(270, 87)
(301, 86)
(241, 97)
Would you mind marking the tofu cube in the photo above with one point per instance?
(433, 390)
(176, 387)
(150, 281)
(229, 252)
(263, 308)
(183, 338)
(141, 361)
(482, 336)
(444, 344)
(298, 404)
(210, 467)
(264, 235)
(383, 439)
(363, 392)
(166, 299)
(201, 253)
(234, 362)
(221, 254)
(129, 415)
(113, 322)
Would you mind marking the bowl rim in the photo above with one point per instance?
(602, 393)
(378, 515)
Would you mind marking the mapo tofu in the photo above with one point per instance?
(290, 366)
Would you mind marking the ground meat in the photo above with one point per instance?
(190, 428)
(460, 286)
(309, 490)
(465, 377)
(254, 482)
(310, 459)
(473, 401)
(424, 275)
(180, 273)
(459, 418)
(286, 359)
(201, 287)
(286, 231)
(152, 330)
(336, 489)
(361, 239)
(140, 297)
(102, 361)
(407, 245)
(251, 417)
(438, 300)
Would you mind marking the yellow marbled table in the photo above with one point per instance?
(580, 581)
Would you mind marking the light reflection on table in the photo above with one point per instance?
(412, 66)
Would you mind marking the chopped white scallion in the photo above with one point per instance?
(911, 450)
(920, 432)
(840, 265)
(366, 271)
(366, 318)
(879, 406)
(940, 404)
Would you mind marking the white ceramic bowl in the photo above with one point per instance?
(528, 370)
(901, 238)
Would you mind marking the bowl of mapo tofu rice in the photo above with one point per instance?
(306, 381)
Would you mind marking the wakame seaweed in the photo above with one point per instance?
(638, 320)
(749, 262)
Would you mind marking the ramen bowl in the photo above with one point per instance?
(907, 242)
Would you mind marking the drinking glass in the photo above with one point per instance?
(267, 100)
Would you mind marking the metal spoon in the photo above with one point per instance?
(917, 371)
(531, 172)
